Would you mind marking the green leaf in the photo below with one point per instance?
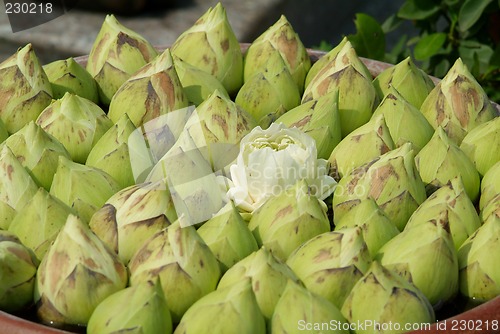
(392, 23)
(475, 55)
(369, 41)
(429, 45)
(470, 12)
(441, 68)
(418, 9)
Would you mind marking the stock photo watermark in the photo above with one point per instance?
(27, 14)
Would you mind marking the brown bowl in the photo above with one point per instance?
(474, 320)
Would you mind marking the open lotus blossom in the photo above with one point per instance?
(272, 160)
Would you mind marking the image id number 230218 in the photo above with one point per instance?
(488, 326)
(28, 8)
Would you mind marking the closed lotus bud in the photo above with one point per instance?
(198, 84)
(187, 268)
(77, 273)
(111, 152)
(452, 203)
(228, 237)
(330, 264)
(318, 119)
(398, 111)
(225, 311)
(458, 103)
(16, 187)
(41, 219)
(392, 180)
(320, 64)
(269, 93)
(24, 88)
(361, 146)
(288, 219)
(141, 308)
(357, 96)
(116, 54)
(38, 152)
(76, 122)
(152, 91)
(268, 276)
(376, 227)
(490, 185)
(282, 39)
(18, 266)
(131, 216)
(441, 160)
(299, 307)
(410, 81)
(220, 52)
(482, 145)
(82, 187)
(478, 264)
(425, 255)
(69, 76)
(382, 297)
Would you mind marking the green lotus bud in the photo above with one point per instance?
(357, 96)
(221, 53)
(41, 219)
(131, 216)
(268, 276)
(223, 124)
(381, 298)
(225, 311)
(76, 122)
(318, 119)
(376, 227)
(482, 145)
(25, 89)
(76, 274)
(330, 264)
(198, 85)
(141, 308)
(361, 146)
(4, 134)
(185, 265)
(282, 39)
(287, 220)
(452, 203)
(458, 103)
(392, 180)
(299, 309)
(111, 152)
(18, 266)
(16, 187)
(150, 92)
(490, 185)
(228, 237)
(478, 264)
(69, 76)
(269, 93)
(321, 63)
(82, 187)
(397, 111)
(116, 54)
(425, 255)
(411, 82)
(38, 152)
(441, 160)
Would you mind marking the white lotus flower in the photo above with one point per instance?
(272, 160)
